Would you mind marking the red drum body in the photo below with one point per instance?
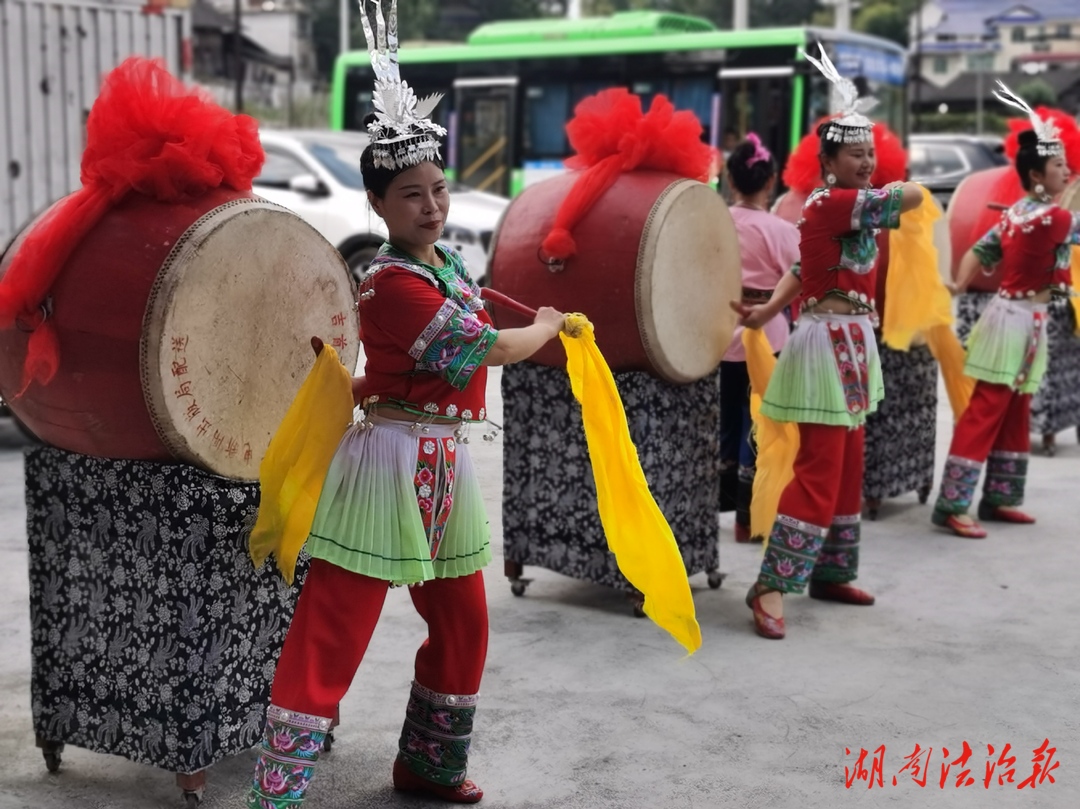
(184, 331)
(657, 263)
(789, 205)
(971, 215)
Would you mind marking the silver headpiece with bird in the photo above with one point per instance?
(850, 124)
(1050, 144)
(402, 133)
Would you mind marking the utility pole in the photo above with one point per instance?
(238, 59)
(842, 15)
(741, 16)
(917, 72)
(343, 35)
(573, 9)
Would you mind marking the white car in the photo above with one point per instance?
(316, 174)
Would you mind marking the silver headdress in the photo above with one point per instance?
(851, 124)
(1050, 144)
(402, 133)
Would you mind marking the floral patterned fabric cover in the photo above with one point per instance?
(549, 498)
(153, 636)
(900, 436)
(1056, 404)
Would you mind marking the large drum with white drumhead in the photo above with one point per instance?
(184, 331)
(657, 263)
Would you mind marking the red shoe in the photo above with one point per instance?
(1004, 514)
(844, 593)
(968, 530)
(765, 625)
(405, 780)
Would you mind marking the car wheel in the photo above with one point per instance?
(360, 259)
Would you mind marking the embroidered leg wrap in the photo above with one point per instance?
(957, 485)
(435, 739)
(1006, 473)
(839, 557)
(793, 551)
(287, 756)
(743, 494)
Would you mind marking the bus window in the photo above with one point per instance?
(694, 94)
(545, 115)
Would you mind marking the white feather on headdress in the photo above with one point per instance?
(402, 133)
(1050, 144)
(850, 124)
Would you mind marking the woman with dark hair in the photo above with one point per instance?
(1007, 348)
(400, 504)
(769, 247)
(828, 378)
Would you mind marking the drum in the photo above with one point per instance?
(184, 331)
(972, 213)
(1070, 197)
(789, 205)
(656, 266)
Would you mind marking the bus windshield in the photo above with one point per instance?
(510, 90)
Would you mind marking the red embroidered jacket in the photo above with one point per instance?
(425, 334)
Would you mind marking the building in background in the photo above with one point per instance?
(995, 36)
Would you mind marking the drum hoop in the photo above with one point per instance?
(187, 243)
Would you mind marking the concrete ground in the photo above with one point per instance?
(586, 707)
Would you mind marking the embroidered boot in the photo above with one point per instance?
(1003, 489)
(434, 746)
(957, 491)
(290, 748)
(838, 564)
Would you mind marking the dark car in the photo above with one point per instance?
(940, 162)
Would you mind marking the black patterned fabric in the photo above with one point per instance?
(900, 436)
(153, 636)
(549, 498)
(1056, 404)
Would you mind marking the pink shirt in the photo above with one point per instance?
(769, 246)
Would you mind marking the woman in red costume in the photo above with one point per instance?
(400, 504)
(1007, 348)
(828, 378)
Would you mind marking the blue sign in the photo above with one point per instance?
(875, 65)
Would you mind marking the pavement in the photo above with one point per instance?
(587, 707)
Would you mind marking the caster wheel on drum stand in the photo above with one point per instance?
(192, 786)
(518, 586)
(637, 603)
(924, 494)
(716, 578)
(1049, 444)
(51, 752)
(872, 508)
(328, 742)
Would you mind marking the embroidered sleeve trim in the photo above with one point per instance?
(988, 248)
(432, 330)
(877, 209)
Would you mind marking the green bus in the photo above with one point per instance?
(512, 86)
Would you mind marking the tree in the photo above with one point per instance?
(1036, 92)
(884, 19)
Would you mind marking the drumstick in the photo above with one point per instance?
(572, 329)
(506, 302)
(997, 206)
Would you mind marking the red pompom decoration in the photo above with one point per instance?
(146, 133)
(610, 134)
(1067, 127)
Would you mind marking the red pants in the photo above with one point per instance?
(816, 533)
(996, 427)
(334, 621)
(828, 475)
(998, 419)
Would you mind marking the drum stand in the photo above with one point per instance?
(518, 585)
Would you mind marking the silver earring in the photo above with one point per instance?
(830, 179)
(1040, 190)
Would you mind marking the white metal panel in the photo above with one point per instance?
(53, 55)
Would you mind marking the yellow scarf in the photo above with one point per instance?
(777, 442)
(292, 472)
(917, 301)
(1076, 287)
(637, 533)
